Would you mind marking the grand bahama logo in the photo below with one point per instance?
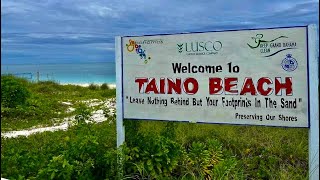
(133, 46)
(268, 48)
(199, 47)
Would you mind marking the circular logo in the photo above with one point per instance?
(289, 63)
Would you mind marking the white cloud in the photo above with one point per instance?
(14, 7)
(102, 46)
(301, 6)
(83, 26)
(99, 10)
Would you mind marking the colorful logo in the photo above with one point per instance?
(138, 49)
(289, 63)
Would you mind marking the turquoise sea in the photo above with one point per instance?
(65, 73)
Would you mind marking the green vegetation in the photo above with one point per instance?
(82, 152)
(218, 151)
(93, 87)
(13, 91)
(202, 151)
(153, 149)
(26, 104)
(104, 86)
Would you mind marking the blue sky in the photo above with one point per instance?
(68, 31)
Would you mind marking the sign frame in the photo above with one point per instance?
(313, 90)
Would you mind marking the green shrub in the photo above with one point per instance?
(83, 113)
(200, 158)
(47, 87)
(104, 86)
(79, 153)
(170, 130)
(58, 168)
(108, 93)
(132, 131)
(13, 91)
(227, 169)
(153, 157)
(49, 83)
(93, 86)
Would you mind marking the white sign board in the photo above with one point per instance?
(257, 77)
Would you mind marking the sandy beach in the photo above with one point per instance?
(96, 116)
(111, 86)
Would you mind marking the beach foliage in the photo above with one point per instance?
(82, 152)
(83, 113)
(88, 151)
(26, 104)
(152, 149)
(93, 86)
(13, 91)
(104, 86)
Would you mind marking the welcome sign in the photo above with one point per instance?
(257, 77)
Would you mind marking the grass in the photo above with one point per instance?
(45, 107)
(254, 152)
(285, 148)
(153, 149)
(33, 157)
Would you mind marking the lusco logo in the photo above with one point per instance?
(138, 49)
(271, 47)
(200, 47)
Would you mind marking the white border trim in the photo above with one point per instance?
(120, 127)
(313, 103)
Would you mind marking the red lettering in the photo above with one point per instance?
(264, 86)
(152, 86)
(287, 86)
(176, 86)
(215, 86)
(195, 86)
(228, 84)
(248, 87)
(141, 81)
(260, 89)
(162, 85)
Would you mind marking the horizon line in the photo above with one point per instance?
(59, 63)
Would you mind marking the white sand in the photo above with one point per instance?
(66, 103)
(96, 116)
(13, 134)
(112, 86)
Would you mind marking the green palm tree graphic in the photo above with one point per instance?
(180, 46)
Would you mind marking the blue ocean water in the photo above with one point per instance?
(65, 73)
